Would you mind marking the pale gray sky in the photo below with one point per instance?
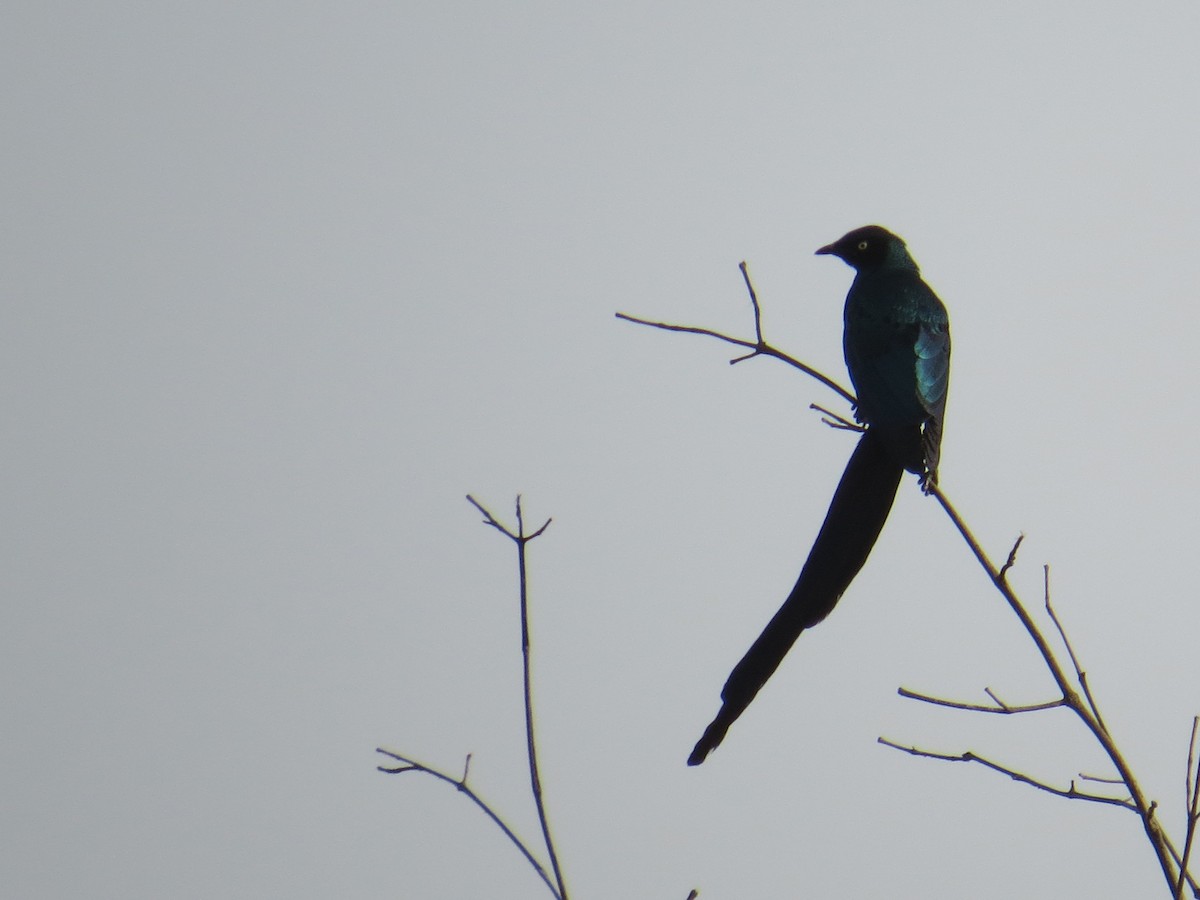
(282, 282)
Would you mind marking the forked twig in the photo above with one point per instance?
(408, 764)
(1000, 707)
(558, 885)
(520, 538)
(758, 346)
(1072, 699)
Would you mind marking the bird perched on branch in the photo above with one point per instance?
(897, 347)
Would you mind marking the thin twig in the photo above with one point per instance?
(489, 520)
(1071, 793)
(688, 329)
(1191, 786)
(745, 270)
(759, 349)
(557, 886)
(1100, 779)
(1079, 673)
(1012, 556)
(411, 765)
(520, 538)
(1000, 708)
(1192, 791)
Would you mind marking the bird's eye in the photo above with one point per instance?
(862, 245)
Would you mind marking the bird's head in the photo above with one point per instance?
(869, 247)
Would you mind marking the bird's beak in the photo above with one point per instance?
(827, 250)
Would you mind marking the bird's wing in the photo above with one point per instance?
(932, 349)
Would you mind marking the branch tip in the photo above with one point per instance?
(1012, 557)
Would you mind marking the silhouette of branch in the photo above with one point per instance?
(1082, 704)
(1071, 793)
(1192, 795)
(745, 270)
(1100, 779)
(520, 538)
(558, 885)
(1012, 556)
(1080, 675)
(1086, 710)
(758, 346)
(408, 764)
(757, 349)
(999, 706)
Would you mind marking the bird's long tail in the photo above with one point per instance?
(856, 515)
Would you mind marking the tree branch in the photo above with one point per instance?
(1012, 556)
(758, 346)
(1080, 675)
(1071, 793)
(408, 764)
(999, 707)
(520, 538)
(558, 884)
(1192, 795)
(1085, 708)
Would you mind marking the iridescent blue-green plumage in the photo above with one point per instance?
(897, 347)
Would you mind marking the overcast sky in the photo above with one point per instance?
(282, 282)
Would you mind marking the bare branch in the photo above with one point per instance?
(1079, 673)
(1191, 783)
(1012, 557)
(998, 701)
(1000, 707)
(1084, 709)
(519, 535)
(688, 329)
(758, 347)
(411, 765)
(488, 518)
(535, 780)
(1192, 793)
(1100, 779)
(753, 302)
(521, 539)
(1071, 793)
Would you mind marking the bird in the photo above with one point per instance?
(896, 341)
